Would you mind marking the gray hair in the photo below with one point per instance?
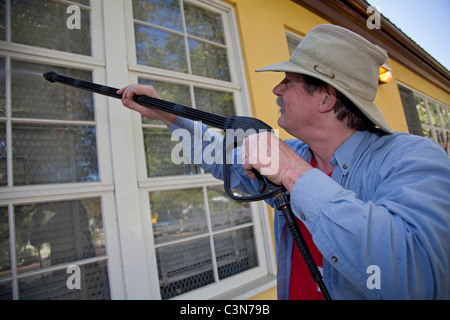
(344, 108)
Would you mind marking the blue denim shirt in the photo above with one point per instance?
(386, 205)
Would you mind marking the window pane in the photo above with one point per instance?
(35, 97)
(226, 212)
(422, 110)
(440, 135)
(5, 257)
(53, 154)
(177, 214)
(208, 60)
(427, 133)
(166, 49)
(3, 20)
(445, 117)
(434, 114)
(204, 23)
(94, 285)
(83, 2)
(164, 13)
(175, 93)
(184, 267)
(235, 252)
(220, 103)
(447, 144)
(3, 163)
(6, 290)
(2, 88)
(45, 26)
(48, 234)
(160, 49)
(158, 153)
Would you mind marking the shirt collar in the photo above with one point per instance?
(349, 151)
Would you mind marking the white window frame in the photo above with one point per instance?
(237, 86)
(104, 188)
(123, 186)
(427, 100)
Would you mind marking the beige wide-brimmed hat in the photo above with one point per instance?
(343, 59)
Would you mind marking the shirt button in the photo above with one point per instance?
(345, 166)
(334, 259)
(302, 215)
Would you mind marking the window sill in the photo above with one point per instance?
(249, 290)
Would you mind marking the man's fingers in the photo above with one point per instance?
(245, 157)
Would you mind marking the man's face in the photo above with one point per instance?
(297, 107)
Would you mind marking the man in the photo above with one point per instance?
(373, 203)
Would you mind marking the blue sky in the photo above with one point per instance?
(424, 21)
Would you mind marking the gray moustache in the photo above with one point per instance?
(280, 102)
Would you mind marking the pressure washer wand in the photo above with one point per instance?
(170, 107)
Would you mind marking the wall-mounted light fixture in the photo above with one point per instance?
(385, 73)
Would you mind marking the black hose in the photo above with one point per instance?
(282, 203)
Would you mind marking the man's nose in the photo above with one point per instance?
(278, 90)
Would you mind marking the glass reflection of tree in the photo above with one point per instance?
(58, 233)
(66, 230)
(43, 24)
(165, 49)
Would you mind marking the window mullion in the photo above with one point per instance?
(431, 117)
(9, 157)
(186, 41)
(8, 20)
(220, 45)
(54, 122)
(161, 28)
(441, 119)
(12, 244)
(211, 237)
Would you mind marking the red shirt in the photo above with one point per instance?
(302, 285)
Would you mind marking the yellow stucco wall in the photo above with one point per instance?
(262, 25)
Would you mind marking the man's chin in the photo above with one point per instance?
(280, 120)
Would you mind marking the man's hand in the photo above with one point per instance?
(139, 89)
(273, 158)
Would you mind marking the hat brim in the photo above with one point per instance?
(368, 108)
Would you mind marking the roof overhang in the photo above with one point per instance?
(352, 14)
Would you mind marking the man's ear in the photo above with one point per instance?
(328, 99)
